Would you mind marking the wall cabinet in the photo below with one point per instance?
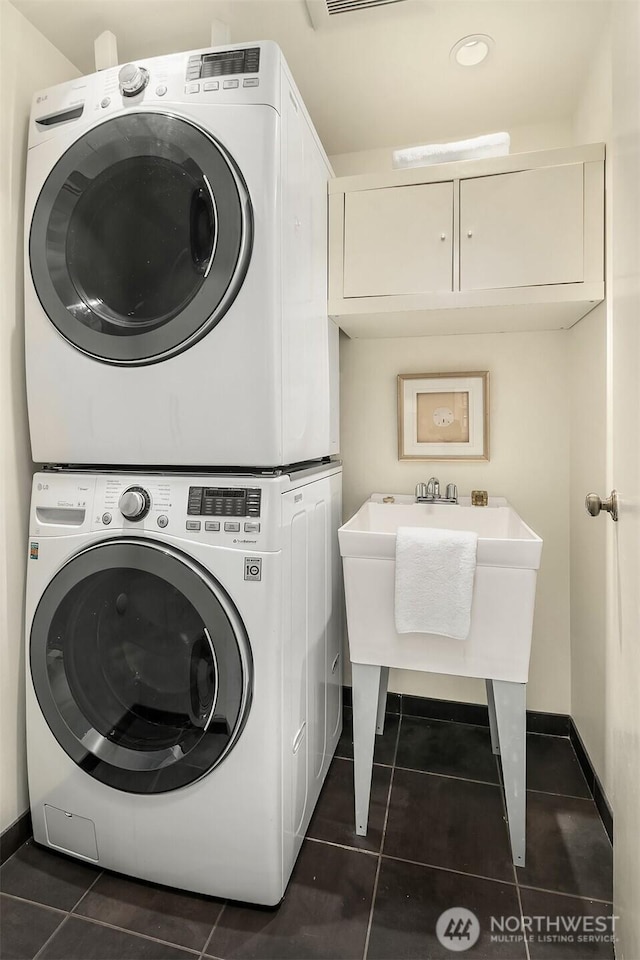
(398, 240)
(510, 243)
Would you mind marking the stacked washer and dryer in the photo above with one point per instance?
(183, 611)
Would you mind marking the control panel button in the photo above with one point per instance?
(212, 526)
(251, 82)
(192, 88)
(106, 518)
(193, 525)
(230, 84)
(161, 90)
(252, 527)
(232, 527)
(105, 102)
(211, 85)
(163, 521)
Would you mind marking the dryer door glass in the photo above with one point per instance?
(141, 666)
(140, 238)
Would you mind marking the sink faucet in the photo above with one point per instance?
(430, 492)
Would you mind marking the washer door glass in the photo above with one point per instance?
(140, 238)
(141, 666)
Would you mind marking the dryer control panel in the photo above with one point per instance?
(223, 63)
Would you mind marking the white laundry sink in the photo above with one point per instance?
(499, 642)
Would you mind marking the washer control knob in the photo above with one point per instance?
(132, 79)
(134, 503)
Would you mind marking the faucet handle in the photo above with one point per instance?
(421, 491)
(452, 492)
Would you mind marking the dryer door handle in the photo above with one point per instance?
(203, 228)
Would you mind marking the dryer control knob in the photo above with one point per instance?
(134, 503)
(132, 79)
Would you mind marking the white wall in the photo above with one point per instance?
(538, 136)
(588, 351)
(529, 465)
(27, 62)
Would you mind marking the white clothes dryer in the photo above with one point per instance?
(176, 265)
(183, 671)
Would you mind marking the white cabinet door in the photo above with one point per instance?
(522, 229)
(398, 240)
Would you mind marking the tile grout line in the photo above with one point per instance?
(342, 846)
(563, 893)
(35, 903)
(438, 866)
(131, 933)
(66, 918)
(524, 937)
(50, 938)
(447, 776)
(89, 888)
(568, 796)
(213, 930)
(489, 783)
(513, 866)
(382, 839)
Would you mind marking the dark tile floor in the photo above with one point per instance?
(437, 840)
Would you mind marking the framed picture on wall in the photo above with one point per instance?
(443, 416)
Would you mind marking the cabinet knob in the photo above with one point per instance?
(469, 233)
(443, 236)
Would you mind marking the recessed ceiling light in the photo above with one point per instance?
(472, 50)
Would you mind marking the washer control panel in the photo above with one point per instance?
(224, 502)
(229, 514)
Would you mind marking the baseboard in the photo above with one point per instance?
(599, 796)
(14, 836)
(429, 708)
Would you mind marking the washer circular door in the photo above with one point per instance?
(141, 666)
(140, 238)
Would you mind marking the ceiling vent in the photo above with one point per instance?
(323, 12)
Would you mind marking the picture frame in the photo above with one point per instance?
(443, 416)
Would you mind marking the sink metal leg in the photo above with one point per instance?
(510, 705)
(366, 685)
(493, 727)
(382, 698)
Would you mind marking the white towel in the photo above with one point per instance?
(490, 145)
(435, 570)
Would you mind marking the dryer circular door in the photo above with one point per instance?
(140, 238)
(141, 665)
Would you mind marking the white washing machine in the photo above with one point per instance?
(183, 671)
(176, 267)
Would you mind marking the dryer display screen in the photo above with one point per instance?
(223, 502)
(223, 64)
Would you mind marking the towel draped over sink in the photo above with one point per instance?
(435, 571)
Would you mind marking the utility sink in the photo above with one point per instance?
(497, 648)
(504, 538)
(508, 558)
